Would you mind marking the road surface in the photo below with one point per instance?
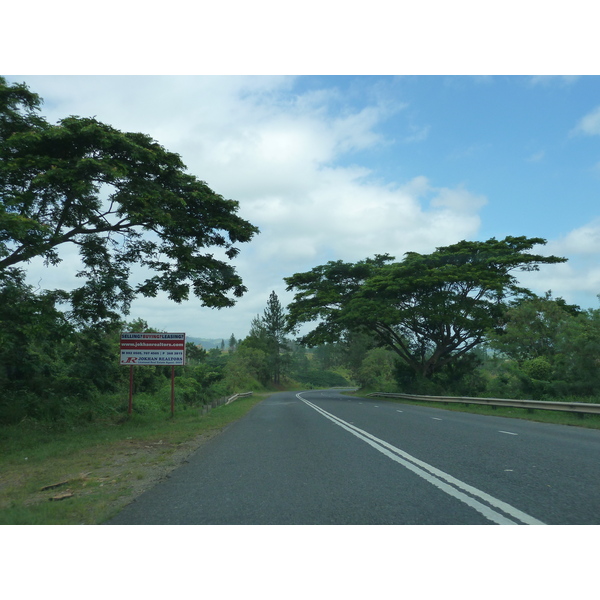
(320, 457)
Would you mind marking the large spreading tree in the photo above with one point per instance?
(430, 309)
(122, 200)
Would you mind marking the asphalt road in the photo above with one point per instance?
(320, 457)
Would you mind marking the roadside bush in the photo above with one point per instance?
(188, 390)
(152, 404)
(537, 368)
(321, 379)
(377, 370)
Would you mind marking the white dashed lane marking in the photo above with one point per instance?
(490, 507)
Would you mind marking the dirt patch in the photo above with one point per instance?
(138, 466)
(115, 475)
(154, 460)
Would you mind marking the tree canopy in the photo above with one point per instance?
(122, 199)
(430, 308)
(267, 335)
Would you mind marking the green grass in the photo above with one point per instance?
(543, 416)
(103, 465)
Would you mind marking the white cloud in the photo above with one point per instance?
(583, 240)
(577, 280)
(459, 200)
(417, 133)
(347, 217)
(590, 123)
(547, 80)
(536, 157)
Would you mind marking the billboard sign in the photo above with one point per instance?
(152, 349)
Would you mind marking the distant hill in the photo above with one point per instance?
(206, 343)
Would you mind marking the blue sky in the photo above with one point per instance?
(344, 167)
(511, 138)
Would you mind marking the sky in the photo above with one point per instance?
(345, 167)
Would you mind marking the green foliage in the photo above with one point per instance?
(502, 380)
(86, 183)
(532, 328)
(550, 349)
(461, 377)
(34, 337)
(326, 355)
(317, 378)
(194, 354)
(123, 201)
(537, 368)
(429, 309)
(267, 335)
(300, 361)
(51, 372)
(274, 321)
(377, 370)
(232, 343)
(578, 357)
(323, 293)
(247, 369)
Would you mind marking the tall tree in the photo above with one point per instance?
(232, 343)
(429, 309)
(122, 200)
(275, 323)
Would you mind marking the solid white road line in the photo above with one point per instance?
(508, 432)
(438, 478)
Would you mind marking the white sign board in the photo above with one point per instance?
(153, 349)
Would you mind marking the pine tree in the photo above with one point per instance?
(232, 343)
(275, 322)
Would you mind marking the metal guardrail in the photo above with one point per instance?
(574, 407)
(222, 402)
(233, 398)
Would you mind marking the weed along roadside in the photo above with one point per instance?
(84, 476)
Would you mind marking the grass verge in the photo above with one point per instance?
(543, 416)
(86, 475)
